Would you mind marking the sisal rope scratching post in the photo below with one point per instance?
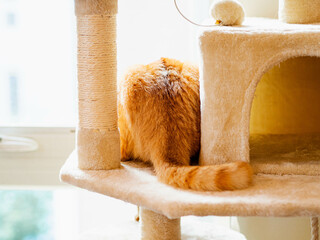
(155, 226)
(314, 228)
(98, 141)
(299, 11)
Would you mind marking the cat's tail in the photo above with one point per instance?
(229, 176)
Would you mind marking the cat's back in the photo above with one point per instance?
(167, 78)
(161, 99)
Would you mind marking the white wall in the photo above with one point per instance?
(261, 8)
(38, 50)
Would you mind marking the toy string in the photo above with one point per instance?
(194, 23)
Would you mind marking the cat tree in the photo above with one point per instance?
(233, 60)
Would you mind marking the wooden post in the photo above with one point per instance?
(98, 141)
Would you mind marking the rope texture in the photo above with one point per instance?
(97, 72)
(314, 228)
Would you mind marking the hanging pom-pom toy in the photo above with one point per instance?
(227, 12)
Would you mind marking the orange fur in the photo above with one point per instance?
(159, 122)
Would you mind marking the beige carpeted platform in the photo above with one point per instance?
(270, 195)
(285, 154)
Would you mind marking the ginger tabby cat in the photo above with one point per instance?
(159, 122)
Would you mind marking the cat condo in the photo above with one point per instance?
(260, 103)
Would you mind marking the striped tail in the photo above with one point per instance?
(230, 176)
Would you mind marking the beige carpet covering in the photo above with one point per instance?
(285, 154)
(270, 195)
(232, 63)
(299, 11)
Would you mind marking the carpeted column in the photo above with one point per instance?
(98, 141)
(299, 11)
(155, 226)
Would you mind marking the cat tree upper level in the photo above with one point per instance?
(233, 60)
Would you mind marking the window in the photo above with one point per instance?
(37, 63)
